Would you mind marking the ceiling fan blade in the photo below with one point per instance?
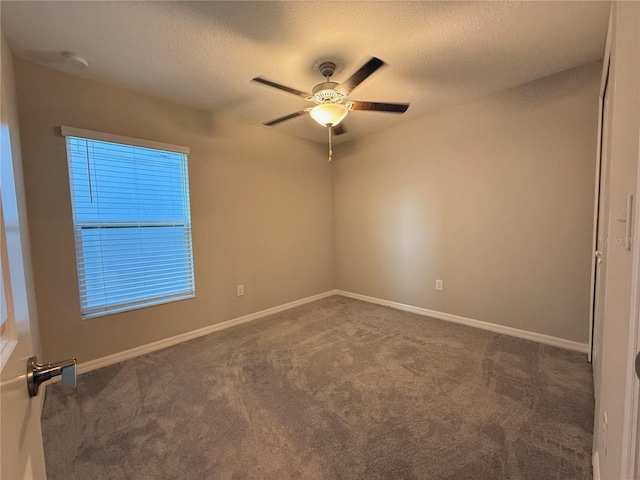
(286, 117)
(339, 129)
(380, 107)
(281, 87)
(357, 78)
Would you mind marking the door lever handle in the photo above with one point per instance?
(38, 373)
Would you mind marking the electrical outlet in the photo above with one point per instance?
(240, 290)
(439, 285)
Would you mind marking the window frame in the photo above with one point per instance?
(87, 311)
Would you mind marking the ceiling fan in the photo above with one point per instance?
(332, 103)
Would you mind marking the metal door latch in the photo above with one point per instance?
(38, 373)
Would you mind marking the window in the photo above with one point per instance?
(132, 221)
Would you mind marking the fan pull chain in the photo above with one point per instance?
(330, 148)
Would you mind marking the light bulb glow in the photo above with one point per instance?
(329, 114)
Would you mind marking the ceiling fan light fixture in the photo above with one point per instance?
(329, 114)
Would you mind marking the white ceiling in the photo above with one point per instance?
(203, 54)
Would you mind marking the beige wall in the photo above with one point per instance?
(495, 197)
(613, 359)
(260, 201)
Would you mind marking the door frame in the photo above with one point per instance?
(631, 413)
(632, 384)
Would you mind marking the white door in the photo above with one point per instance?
(601, 226)
(21, 455)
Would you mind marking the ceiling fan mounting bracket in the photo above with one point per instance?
(327, 69)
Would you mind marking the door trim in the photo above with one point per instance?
(632, 392)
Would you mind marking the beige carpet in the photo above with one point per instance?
(336, 389)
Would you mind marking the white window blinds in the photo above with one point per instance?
(132, 223)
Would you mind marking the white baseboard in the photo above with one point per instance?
(85, 367)
(596, 466)
(91, 365)
(514, 332)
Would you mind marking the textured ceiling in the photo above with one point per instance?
(203, 54)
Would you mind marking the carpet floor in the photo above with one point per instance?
(335, 389)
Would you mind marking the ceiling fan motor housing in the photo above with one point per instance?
(326, 92)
